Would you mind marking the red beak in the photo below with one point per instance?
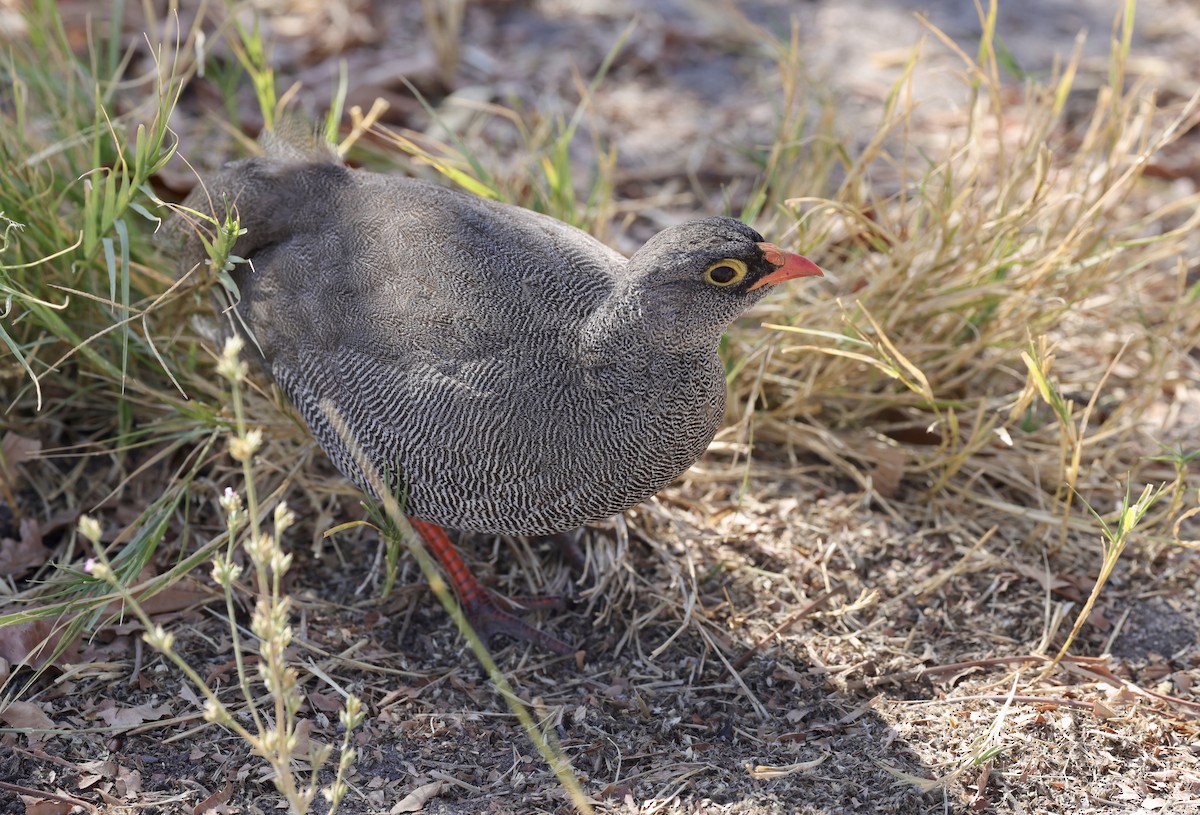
(788, 266)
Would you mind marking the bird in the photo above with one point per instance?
(506, 372)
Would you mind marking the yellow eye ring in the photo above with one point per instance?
(724, 273)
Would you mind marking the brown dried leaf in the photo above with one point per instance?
(762, 772)
(40, 806)
(325, 702)
(19, 556)
(303, 734)
(215, 800)
(106, 768)
(415, 801)
(889, 470)
(1056, 583)
(27, 715)
(129, 783)
(17, 449)
(182, 595)
(130, 716)
(87, 779)
(188, 695)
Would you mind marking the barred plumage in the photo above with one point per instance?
(514, 374)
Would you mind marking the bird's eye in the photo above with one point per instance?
(725, 272)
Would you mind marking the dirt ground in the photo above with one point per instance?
(895, 647)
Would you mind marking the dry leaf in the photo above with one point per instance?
(87, 779)
(32, 643)
(183, 595)
(325, 702)
(215, 800)
(40, 806)
(762, 771)
(27, 715)
(105, 767)
(889, 469)
(130, 716)
(93, 772)
(20, 556)
(16, 449)
(303, 731)
(129, 783)
(415, 801)
(188, 695)
(1056, 584)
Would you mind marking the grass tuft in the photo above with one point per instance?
(1011, 309)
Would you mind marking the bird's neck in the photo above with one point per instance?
(630, 325)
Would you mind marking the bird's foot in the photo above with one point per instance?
(488, 619)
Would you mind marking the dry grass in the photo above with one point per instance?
(1014, 317)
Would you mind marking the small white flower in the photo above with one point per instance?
(89, 527)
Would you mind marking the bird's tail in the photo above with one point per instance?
(257, 194)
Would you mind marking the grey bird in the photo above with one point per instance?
(506, 372)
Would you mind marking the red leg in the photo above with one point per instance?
(478, 604)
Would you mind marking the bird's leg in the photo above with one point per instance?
(484, 613)
(568, 543)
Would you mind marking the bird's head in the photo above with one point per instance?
(694, 279)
